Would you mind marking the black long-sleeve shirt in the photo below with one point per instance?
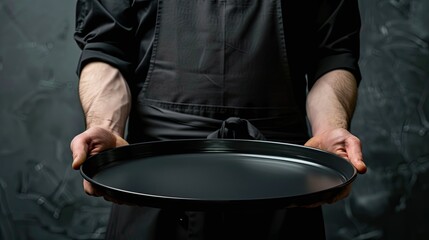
(321, 35)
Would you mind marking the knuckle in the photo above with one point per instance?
(355, 140)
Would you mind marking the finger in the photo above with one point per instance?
(120, 141)
(90, 189)
(79, 148)
(341, 195)
(313, 142)
(116, 201)
(354, 152)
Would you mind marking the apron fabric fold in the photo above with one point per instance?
(237, 128)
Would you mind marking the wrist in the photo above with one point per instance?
(106, 124)
(328, 125)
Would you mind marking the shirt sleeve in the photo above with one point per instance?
(338, 39)
(104, 32)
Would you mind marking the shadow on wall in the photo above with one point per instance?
(392, 120)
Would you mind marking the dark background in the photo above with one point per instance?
(41, 197)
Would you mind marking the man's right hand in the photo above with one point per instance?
(94, 140)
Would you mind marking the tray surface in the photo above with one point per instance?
(223, 173)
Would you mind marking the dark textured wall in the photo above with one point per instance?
(41, 197)
(392, 121)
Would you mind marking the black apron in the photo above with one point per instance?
(217, 64)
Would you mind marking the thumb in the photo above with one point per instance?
(354, 151)
(79, 148)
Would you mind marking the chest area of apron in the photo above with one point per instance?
(219, 53)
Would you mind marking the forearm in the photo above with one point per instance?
(105, 97)
(331, 101)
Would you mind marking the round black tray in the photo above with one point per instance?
(220, 173)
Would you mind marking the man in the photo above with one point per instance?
(178, 69)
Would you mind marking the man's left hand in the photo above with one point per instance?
(342, 143)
